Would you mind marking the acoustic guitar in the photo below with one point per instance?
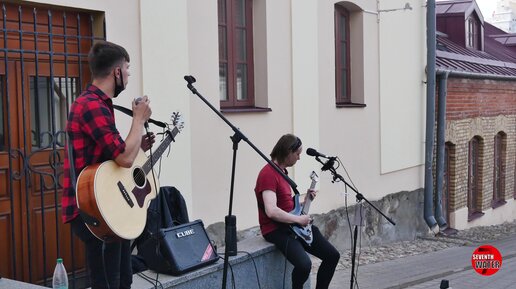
(113, 200)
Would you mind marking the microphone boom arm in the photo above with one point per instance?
(359, 196)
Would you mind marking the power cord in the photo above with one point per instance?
(104, 263)
(150, 280)
(359, 249)
(230, 268)
(255, 267)
(157, 196)
(355, 273)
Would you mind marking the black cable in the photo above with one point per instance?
(349, 224)
(156, 281)
(347, 174)
(359, 249)
(104, 263)
(152, 163)
(150, 280)
(255, 267)
(157, 193)
(232, 275)
(355, 273)
(161, 158)
(230, 268)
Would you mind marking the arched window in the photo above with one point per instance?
(449, 178)
(500, 144)
(475, 153)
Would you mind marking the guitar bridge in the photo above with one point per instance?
(125, 194)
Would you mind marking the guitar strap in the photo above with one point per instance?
(130, 113)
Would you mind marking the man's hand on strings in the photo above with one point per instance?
(147, 141)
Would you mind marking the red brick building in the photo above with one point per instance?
(476, 63)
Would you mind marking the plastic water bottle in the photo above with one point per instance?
(60, 279)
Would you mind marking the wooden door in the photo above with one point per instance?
(43, 66)
(48, 90)
(30, 201)
(11, 171)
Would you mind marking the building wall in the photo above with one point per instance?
(380, 145)
(481, 108)
(122, 27)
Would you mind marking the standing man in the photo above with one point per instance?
(94, 138)
(275, 201)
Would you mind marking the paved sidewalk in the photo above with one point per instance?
(426, 271)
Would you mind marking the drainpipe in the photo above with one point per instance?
(430, 115)
(441, 130)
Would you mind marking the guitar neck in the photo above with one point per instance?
(160, 150)
(308, 201)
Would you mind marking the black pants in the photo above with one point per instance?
(295, 251)
(117, 259)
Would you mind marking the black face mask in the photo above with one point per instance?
(118, 87)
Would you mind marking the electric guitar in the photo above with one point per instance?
(113, 200)
(305, 233)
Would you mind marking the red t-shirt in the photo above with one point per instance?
(270, 179)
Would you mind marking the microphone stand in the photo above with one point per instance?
(336, 176)
(230, 220)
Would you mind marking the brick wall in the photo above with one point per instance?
(482, 108)
(470, 98)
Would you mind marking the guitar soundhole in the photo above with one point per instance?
(139, 177)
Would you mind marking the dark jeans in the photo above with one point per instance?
(117, 259)
(295, 251)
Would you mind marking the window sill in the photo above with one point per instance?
(350, 104)
(474, 216)
(498, 203)
(245, 109)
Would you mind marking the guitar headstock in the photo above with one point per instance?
(314, 177)
(177, 120)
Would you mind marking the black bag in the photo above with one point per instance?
(179, 249)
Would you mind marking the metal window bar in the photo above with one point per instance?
(9, 147)
(72, 89)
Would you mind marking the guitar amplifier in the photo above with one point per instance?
(179, 249)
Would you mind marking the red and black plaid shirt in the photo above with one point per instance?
(94, 138)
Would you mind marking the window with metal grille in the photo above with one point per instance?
(236, 77)
(50, 97)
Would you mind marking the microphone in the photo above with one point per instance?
(145, 124)
(190, 79)
(312, 152)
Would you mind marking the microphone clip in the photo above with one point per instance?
(329, 164)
